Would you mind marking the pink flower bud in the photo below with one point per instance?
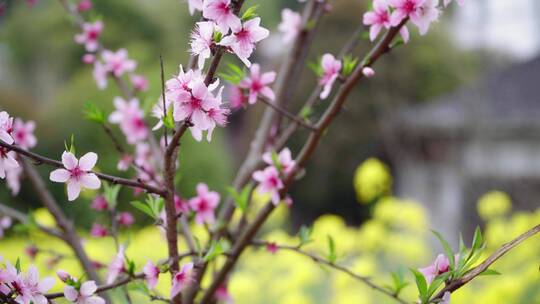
(139, 82)
(98, 231)
(31, 251)
(99, 203)
(63, 275)
(368, 72)
(88, 58)
(84, 5)
(125, 219)
(271, 247)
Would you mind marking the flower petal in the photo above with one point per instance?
(60, 175)
(69, 160)
(88, 161)
(90, 181)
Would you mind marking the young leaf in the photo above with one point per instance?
(478, 240)
(71, 146)
(168, 121)
(332, 256)
(18, 265)
(398, 282)
(306, 112)
(421, 285)
(143, 207)
(250, 13)
(447, 249)
(216, 249)
(241, 199)
(349, 63)
(93, 113)
(111, 194)
(316, 68)
(305, 235)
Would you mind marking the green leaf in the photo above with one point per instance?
(447, 249)
(275, 160)
(168, 121)
(93, 113)
(217, 36)
(316, 67)
(421, 285)
(436, 283)
(143, 207)
(305, 235)
(488, 272)
(478, 240)
(139, 286)
(250, 13)
(111, 194)
(306, 112)
(217, 248)
(18, 265)
(398, 281)
(71, 146)
(241, 199)
(332, 256)
(234, 74)
(349, 63)
(131, 267)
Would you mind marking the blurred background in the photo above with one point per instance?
(451, 116)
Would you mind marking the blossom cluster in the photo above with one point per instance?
(270, 179)
(225, 29)
(390, 13)
(23, 287)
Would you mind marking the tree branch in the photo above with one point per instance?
(297, 120)
(319, 260)
(110, 178)
(476, 271)
(23, 218)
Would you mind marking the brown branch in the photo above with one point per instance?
(70, 235)
(320, 260)
(110, 178)
(23, 219)
(245, 238)
(297, 120)
(476, 271)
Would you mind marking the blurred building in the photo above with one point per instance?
(448, 152)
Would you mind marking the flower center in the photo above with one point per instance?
(76, 173)
(195, 103)
(409, 6)
(242, 35)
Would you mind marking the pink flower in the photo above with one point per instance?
(7, 162)
(5, 223)
(98, 231)
(368, 72)
(139, 82)
(84, 5)
(23, 134)
(290, 26)
(217, 115)
(124, 162)
(460, 2)
(269, 182)
(331, 67)
(223, 295)
(242, 41)
(181, 205)
(204, 204)
(131, 119)
(99, 203)
(151, 274)
(85, 294)
(118, 62)
(7, 275)
(13, 179)
(30, 289)
(421, 12)
(90, 35)
(221, 11)
(100, 74)
(271, 247)
(116, 266)
(202, 41)
(194, 5)
(378, 18)
(284, 159)
(6, 127)
(237, 97)
(181, 279)
(77, 173)
(439, 266)
(258, 84)
(193, 106)
(125, 219)
(88, 58)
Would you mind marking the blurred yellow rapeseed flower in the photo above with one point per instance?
(44, 217)
(493, 204)
(372, 180)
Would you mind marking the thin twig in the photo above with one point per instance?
(110, 178)
(163, 97)
(476, 271)
(319, 260)
(23, 219)
(296, 119)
